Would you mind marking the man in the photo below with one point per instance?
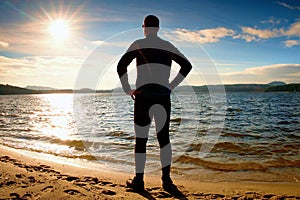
(154, 57)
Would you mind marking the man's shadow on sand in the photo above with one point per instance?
(175, 192)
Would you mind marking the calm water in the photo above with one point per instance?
(242, 132)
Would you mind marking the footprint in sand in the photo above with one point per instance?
(72, 178)
(108, 192)
(27, 197)
(14, 195)
(48, 189)
(72, 192)
(105, 183)
(45, 190)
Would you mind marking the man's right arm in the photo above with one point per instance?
(122, 69)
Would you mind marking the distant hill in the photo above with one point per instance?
(230, 88)
(276, 83)
(32, 87)
(293, 87)
(275, 86)
(8, 89)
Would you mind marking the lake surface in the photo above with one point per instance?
(254, 135)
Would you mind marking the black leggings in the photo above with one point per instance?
(143, 118)
(145, 109)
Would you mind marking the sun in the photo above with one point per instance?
(59, 29)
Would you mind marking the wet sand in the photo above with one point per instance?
(33, 177)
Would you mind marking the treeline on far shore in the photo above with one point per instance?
(9, 90)
(294, 87)
(285, 88)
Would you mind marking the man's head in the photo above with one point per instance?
(151, 21)
(151, 25)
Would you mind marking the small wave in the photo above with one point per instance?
(233, 135)
(284, 122)
(282, 162)
(21, 130)
(85, 157)
(77, 144)
(178, 120)
(121, 134)
(241, 135)
(229, 147)
(97, 158)
(244, 166)
(293, 136)
(292, 146)
(221, 147)
(116, 133)
(194, 147)
(8, 115)
(288, 149)
(234, 109)
(73, 156)
(25, 136)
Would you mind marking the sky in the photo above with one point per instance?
(76, 44)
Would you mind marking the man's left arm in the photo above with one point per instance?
(185, 68)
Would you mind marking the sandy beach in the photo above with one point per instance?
(24, 176)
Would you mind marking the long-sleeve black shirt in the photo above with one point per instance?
(154, 58)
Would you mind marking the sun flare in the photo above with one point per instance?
(59, 29)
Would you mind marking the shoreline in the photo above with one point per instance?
(25, 176)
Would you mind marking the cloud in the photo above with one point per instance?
(272, 21)
(289, 73)
(294, 30)
(3, 44)
(250, 34)
(274, 69)
(288, 6)
(202, 36)
(290, 43)
(40, 71)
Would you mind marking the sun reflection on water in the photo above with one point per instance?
(60, 117)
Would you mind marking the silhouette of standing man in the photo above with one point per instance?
(154, 58)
